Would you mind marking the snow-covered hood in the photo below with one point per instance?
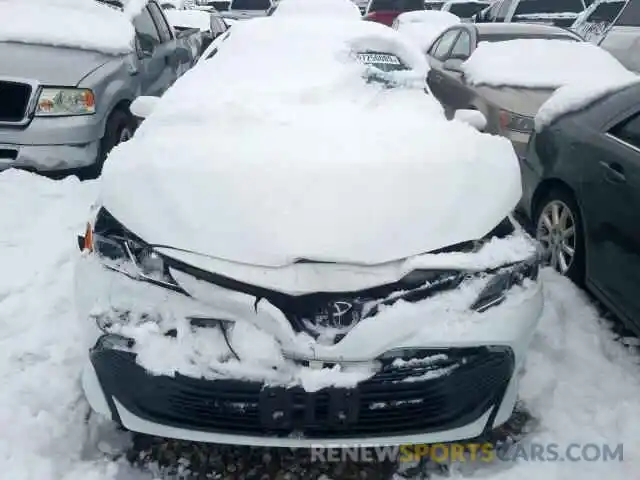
(268, 172)
(285, 189)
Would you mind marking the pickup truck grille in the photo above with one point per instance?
(14, 99)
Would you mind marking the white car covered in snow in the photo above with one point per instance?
(253, 275)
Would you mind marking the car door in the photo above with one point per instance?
(612, 211)
(437, 54)
(156, 72)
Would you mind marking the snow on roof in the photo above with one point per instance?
(422, 28)
(575, 97)
(546, 64)
(342, 8)
(281, 124)
(82, 24)
(189, 19)
(427, 16)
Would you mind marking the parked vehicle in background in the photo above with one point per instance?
(71, 104)
(344, 9)
(210, 23)
(594, 22)
(243, 9)
(218, 5)
(482, 66)
(386, 11)
(561, 13)
(423, 27)
(581, 189)
(623, 38)
(433, 4)
(465, 9)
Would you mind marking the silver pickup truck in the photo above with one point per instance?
(63, 109)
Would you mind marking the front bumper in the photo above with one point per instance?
(51, 144)
(409, 403)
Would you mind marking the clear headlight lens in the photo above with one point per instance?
(495, 292)
(58, 102)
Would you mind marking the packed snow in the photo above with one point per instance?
(577, 96)
(423, 27)
(189, 19)
(81, 24)
(334, 8)
(547, 64)
(580, 383)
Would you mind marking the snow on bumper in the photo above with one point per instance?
(166, 371)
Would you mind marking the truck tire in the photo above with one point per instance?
(120, 128)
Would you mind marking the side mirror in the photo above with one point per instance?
(474, 118)
(143, 106)
(453, 65)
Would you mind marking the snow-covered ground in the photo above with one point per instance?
(581, 384)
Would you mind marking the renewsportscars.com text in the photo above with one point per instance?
(473, 452)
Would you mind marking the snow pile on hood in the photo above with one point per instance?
(189, 19)
(547, 64)
(280, 132)
(423, 27)
(82, 24)
(575, 97)
(334, 8)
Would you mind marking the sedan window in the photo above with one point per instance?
(445, 43)
(628, 130)
(462, 48)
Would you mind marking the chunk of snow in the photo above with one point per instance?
(547, 64)
(577, 96)
(423, 27)
(334, 8)
(189, 19)
(82, 24)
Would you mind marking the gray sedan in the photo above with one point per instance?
(509, 111)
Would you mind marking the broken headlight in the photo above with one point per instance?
(120, 250)
(496, 289)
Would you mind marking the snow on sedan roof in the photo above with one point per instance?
(277, 149)
(540, 63)
(339, 8)
(82, 24)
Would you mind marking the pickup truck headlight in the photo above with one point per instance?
(60, 102)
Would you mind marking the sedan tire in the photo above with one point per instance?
(559, 229)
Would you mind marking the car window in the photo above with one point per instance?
(462, 48)
(628, 130)
(493, 11)
(444, 45)
(395, 5)
(503, 11)
(466, 9)
(161, 22)
(605, 12)
(250, 5)
(526, 7)
(630, 16)
(146, 29)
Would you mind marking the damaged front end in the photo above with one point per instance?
(185, 352)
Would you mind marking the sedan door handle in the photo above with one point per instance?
(614, 171)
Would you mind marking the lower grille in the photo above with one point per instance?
(14, 99)
(449, 391)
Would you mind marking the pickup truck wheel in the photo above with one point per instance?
(120, 127)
